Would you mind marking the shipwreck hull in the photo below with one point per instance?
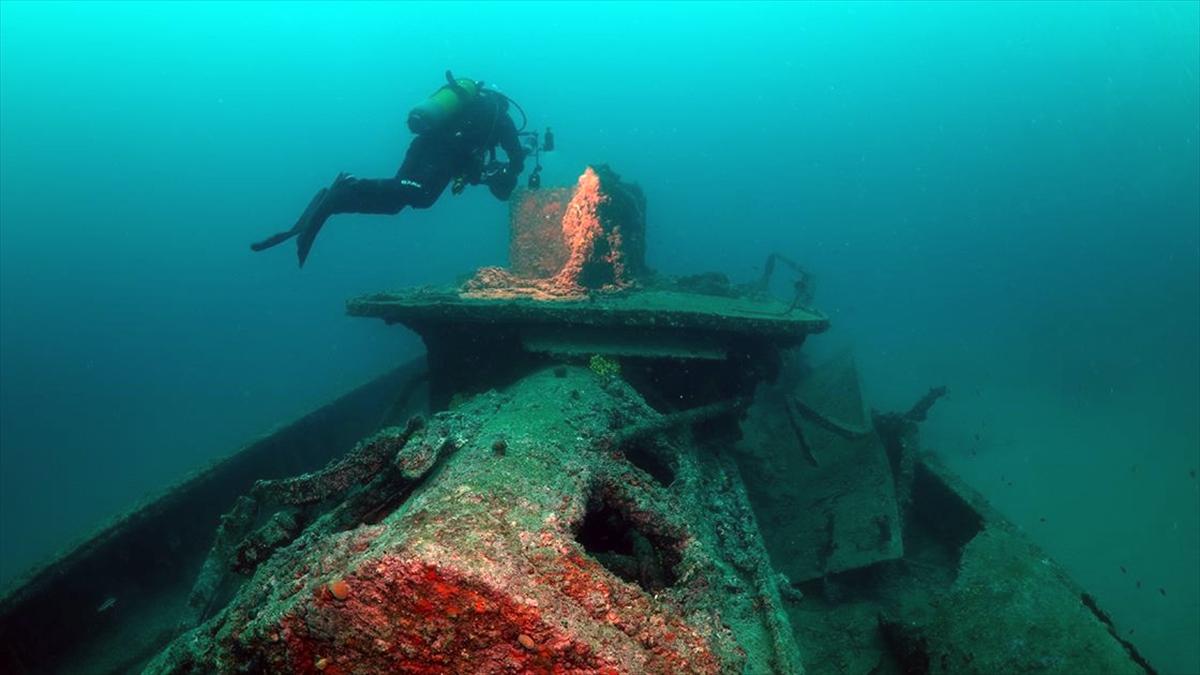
(534, 543)
(569, 525)
(54, 619)
(623, 473)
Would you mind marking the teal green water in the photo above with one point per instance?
(1004, 198)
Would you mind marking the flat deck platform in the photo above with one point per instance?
(474, 344)
(652, 310)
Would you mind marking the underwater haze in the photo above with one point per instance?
(1003, 198)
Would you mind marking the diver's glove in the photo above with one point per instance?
(492, 172)
(500, 179)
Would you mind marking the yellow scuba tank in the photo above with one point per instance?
(442, 104)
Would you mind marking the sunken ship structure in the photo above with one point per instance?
(593, 469)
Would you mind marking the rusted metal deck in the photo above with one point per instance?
(474, 344)
(649, 310)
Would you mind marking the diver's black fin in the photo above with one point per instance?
(299, 227)
(309, 227)
(305, 241)
(273, 240)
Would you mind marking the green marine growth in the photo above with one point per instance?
(604, 367)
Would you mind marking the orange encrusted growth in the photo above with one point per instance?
(566, 243)
(580, 229)
(339, 589)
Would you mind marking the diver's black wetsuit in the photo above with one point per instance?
(461, 150)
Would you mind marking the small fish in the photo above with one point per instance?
(108, 604)
(1123, 570)
(1043, 519)
(1139, 583)
(1162, 591)
(1192, 473)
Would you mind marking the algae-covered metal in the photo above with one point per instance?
(561, 553)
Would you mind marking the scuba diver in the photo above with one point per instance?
(458, 128)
